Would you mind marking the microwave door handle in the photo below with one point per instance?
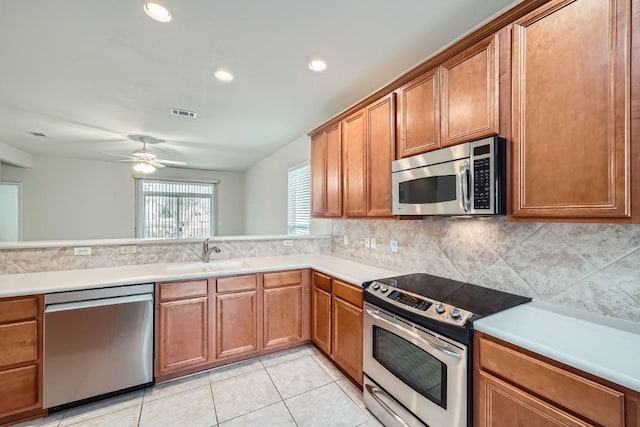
(465, 175)
(374, 314)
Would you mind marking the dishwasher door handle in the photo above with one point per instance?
(79, 305)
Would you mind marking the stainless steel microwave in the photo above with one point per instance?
(465, 179)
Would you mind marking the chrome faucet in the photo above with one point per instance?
(206, 250)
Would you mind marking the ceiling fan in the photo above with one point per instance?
(145, 161)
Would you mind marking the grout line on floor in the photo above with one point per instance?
(281, 398)
(215, 410)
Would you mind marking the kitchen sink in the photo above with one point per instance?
(204, 267)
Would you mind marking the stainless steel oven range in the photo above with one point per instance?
(417, 347)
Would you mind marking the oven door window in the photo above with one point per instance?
(412, 365)
(432, 189)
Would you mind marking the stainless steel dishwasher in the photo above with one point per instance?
(96, 342)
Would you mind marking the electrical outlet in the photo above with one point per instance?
(130, 249)
(82, 251)
(288, 242)
(372, 243)
(393, 245)
(345, 240)
(367, 243)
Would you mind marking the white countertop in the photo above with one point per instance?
(58, 281)
(606, 347)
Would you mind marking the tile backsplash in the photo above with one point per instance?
(593, 267)
(32, 260)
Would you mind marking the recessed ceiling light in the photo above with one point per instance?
(157, 11)
(223, 75)
(317, 65)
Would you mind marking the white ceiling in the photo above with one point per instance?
(88, 73)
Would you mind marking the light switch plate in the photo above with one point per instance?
(345, 240)
(129, 249)
(372, 243)
(288, 242)
(367, 243)
(82, 251)
(393, 245)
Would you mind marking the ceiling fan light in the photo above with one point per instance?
(157, 12)
(144, 167)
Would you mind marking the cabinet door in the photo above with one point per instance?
(380, 154)
(500, 404)
(19, 390)
(282, 315)
(347, 338)
(318, 173)
(419, 115)
(183, 337)
(321, 319)
(236, 323)
(571, 106)
(333, 199)
(354, 152)
(469, 91)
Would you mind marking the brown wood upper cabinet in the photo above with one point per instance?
(571, 106)
(368, 138)
(452, 103)
(326, 172)
(20, 358)
(469, 94)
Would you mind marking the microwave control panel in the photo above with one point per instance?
(482, 183)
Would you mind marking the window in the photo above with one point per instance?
(299, 200)
(175, 209)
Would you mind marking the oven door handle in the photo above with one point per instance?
(374, 391)
(440, 347)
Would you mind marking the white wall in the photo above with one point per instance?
(9, 212)
(64, 199)
(266, 190)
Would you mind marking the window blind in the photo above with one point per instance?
(299, 200)
(175, 209)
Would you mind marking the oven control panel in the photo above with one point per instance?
(420, 305)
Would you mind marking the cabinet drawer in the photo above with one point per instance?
(346, 292)
(580, 395)
(179, 290)
(12, 310)
(237, 283)
(18, 343)
(283, 278)
(321, 281)
(18, 389)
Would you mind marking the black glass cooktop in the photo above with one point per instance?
(479, 300)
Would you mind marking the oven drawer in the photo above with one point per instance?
(580, 395)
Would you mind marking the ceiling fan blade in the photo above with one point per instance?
(120, 155)
(155, 164)
(126, 161)
(170, 162)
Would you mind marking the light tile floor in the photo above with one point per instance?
(299, 387)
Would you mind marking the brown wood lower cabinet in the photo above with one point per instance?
(236, 323)
(286, 308)
(336, 322)
(182, 326)
(516, 387)
(205, 323)
(20, 358)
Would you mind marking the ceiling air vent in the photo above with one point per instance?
(35, 133)
(184, 113)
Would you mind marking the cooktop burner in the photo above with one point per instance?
(432, 299)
